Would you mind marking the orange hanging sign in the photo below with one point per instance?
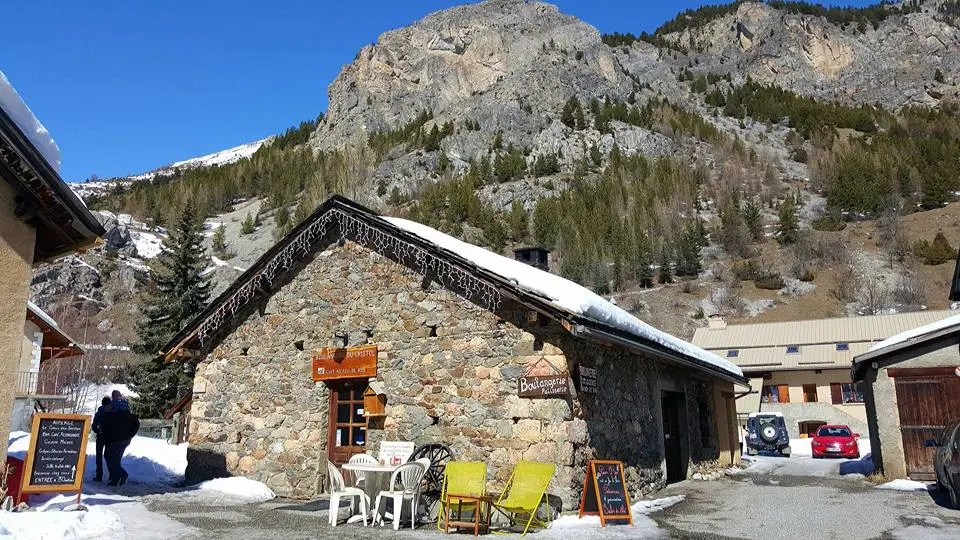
(330, 364)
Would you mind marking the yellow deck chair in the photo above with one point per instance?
(462, 478)
(524, 492)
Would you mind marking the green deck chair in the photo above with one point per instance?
(524, 492)
(462, 478)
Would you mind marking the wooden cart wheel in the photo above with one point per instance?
(438, 455)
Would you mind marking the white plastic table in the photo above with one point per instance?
(375, 479)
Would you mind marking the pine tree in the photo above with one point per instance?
(247, 226)
(789, 228)
(176, 293)
(219, 242)
(665, 274)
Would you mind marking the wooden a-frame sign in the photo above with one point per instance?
(57, 454)
(605, 493)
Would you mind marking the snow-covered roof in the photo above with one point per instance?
(908, 335)
(563, 293)
(42, 314)
(23, 117)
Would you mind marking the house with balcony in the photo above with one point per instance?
(40, 219)
(802, 368)
(36, 388)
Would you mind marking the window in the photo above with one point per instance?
(809, 393)
(833, 432)
(842, 393)
(733, 353)
(843, 346)
(778, 393)
(793, 349)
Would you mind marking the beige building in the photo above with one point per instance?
(802, 368)
(37, 388)
(912, 390)
(40, 219)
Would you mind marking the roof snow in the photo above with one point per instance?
(563, 293)
(913, 333)
(21, 115)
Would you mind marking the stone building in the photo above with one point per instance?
(455, 327)
(801, 369)
(40, 218)
(912, 391)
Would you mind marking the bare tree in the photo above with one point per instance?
(874, 297)
(846, 283)
(910, 291)
(728, 302)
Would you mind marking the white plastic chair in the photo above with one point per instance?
(360, 476)
(409, 475)
(338, 490)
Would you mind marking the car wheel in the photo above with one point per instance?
(768, 432)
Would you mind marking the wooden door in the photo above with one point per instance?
(673, 404)
(926, 405)
(347, 434)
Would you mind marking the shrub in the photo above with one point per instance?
(771, 281)
(831, 221)
(937, 252)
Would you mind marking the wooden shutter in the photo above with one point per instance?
(784, 393)
(836, 393)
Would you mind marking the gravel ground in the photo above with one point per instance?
(775, 497)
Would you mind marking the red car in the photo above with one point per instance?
(836, 441)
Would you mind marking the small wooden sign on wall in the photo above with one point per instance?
(544, 386)
(330, 364)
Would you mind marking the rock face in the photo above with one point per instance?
(893, 65)
(449, 369)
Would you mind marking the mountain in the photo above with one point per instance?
(223, 157)
(767, 160)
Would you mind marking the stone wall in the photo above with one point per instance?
(450, 370)
(16, 257)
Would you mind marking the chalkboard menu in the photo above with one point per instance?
(57, 454)
(605, 494)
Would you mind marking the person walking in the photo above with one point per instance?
(97, 428)
(119, 402)
(119, 427)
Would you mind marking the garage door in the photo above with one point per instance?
(927, 401)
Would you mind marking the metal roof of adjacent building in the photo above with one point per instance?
(763, 346)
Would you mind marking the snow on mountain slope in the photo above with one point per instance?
(223, 157)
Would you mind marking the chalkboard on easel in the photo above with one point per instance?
(57, 453)
(605, 494)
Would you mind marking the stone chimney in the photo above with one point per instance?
(716, 322)
(538, 257)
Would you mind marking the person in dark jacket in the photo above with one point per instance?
(119, 427)
(97, 428)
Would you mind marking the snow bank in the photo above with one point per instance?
(901, 484)
(97, 522)
(238, 487)
(562, 293)
(148, 244)
(23, 117)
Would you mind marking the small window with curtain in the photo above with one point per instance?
(775, 393)
(845, 393)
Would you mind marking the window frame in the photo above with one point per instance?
(806, 388)
(733, 353)
(845, 347)
(795, 351)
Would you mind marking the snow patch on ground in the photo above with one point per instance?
(237, 488)
(901, 484)
(562, 293)
(95, 522)
(574, 527)
(220, 262)
(148, 244)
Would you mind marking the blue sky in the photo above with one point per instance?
(126, 86)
